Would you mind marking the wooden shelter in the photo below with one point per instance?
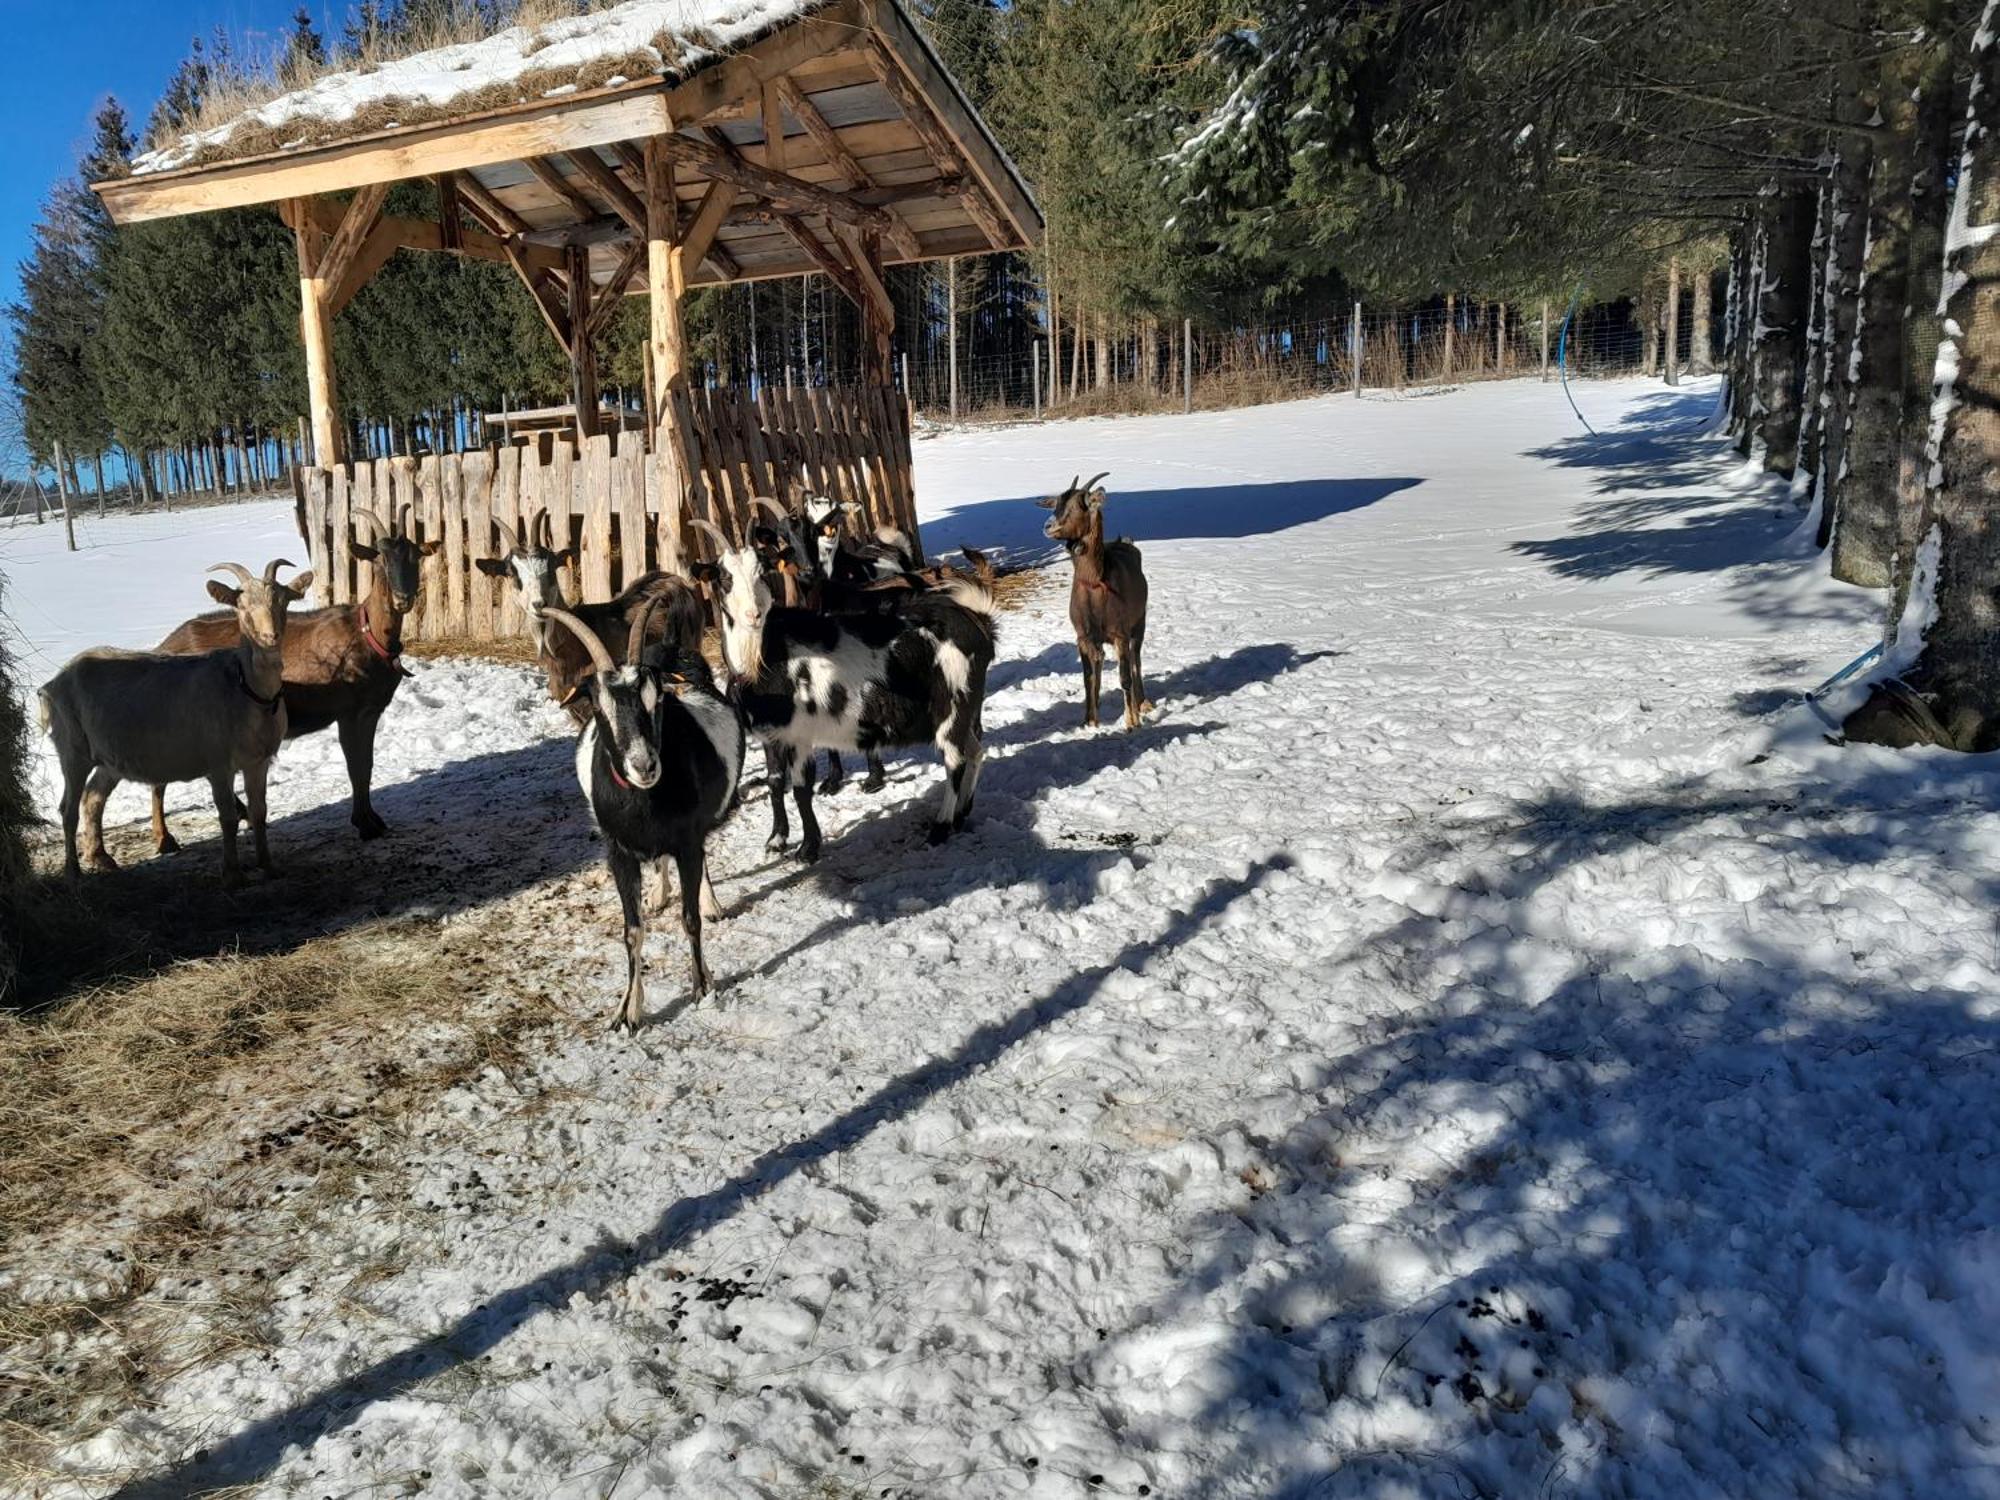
(827, 138)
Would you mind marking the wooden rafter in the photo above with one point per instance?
(835, 268)
(771, 120)
(937, 140)
(535, 280)
(610, 295)
(624, 202)
(824, 135)
(362, 211)
(450, 219)
(425, 234)
(699, 241)
(790, 192)
(546, 173)
(383, 241)
(498, 215)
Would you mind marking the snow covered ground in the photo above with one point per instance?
(1473, 1040)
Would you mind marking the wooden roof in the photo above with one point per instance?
(840, 122)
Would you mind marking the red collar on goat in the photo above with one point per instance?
(379, 649)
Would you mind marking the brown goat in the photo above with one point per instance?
(342, 665)
(1107, 595)
(534, 570)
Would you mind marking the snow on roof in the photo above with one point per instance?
(641, 38)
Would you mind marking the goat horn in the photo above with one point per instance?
(1091, 484)
(381, 529)
(1072, 481)
(637, 640)
(545, 531)
(784, 519)
(242, 573)
(271, 568)
(403, 518)
(722, 543)
(507, 535)
(599, 657)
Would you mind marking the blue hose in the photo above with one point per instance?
(1562, 358)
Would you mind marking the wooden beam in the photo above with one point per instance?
(917, 66)
(316, 332)
(555, 182)
(719, 164)
(720, 91)
(666, 340)
(772, 118)
(612, 293)
(824, 136)
(503, 219)
(835, 269)
(875, 300)
(424, 234)
(383, 241)
(911, 192)
(944, 151)
(624, 202)
(362, 211)
(533, 278)
(699, 240)
(582, 355)
(606, 229)
(514, 133)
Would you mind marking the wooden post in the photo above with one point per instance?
(316, 331)
(1545, 338)
(1450, 328)
(665, 280)
(62, 488)
(951, 339)
(1673, 320)
(1500, 339)
(1187, 364)
(1355, 347)
(582, 355)
(1035, 375)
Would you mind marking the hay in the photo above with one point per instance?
(17, 816)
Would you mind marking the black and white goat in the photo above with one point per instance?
(845, 559)
(805, 680)
(658, 763)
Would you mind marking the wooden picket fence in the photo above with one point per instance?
(852, 443)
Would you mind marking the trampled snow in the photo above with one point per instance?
(1470, 1041)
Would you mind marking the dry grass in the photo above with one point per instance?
(170, 1142)
(230, 99)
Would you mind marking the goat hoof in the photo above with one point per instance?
(169, 844)
(101, 863)
(939, 833)
(831, 785)
(874, 783)
(775, 844)
(232, 880)
(809, 853)
(371, 830)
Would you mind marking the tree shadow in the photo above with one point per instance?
(1686, 1221)
(1013, 526)
(251, 1453)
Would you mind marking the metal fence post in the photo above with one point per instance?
(1035, 376)
(1187, 364)
(1354, 347)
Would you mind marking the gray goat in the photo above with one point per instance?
(153, 717)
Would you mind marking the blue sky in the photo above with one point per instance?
(68, 54)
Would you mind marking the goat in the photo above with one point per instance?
(534, 570)
(156, 717)
(803, 680)
(1107, 595)
(849, 560)
(658, 762)
(342, 665)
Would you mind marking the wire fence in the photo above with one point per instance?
(1165, 367)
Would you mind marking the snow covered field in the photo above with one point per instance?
(1473, 1040)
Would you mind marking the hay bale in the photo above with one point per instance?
(17, 815)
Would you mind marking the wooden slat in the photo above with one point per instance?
(451, 475)
(595, 465)
(624, 202)
(628, 498)
(824, 136)
(430, 508)
(721, 164)
(476, 471)
(496, 213)
(515, 133)
(316, 492)
(506, 507)
(343, 535)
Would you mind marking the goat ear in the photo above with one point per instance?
(301, 585)
(429, 549)
(1095, 499)
(362, 550)
(705, 572)
(1048, 502)
(566, 557)
(222, 593)
(492, 567)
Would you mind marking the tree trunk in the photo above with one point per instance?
(1700, 361)
(1864, 524)
(1102, 350)
(1450, 319)
(1944, 648)
(1780, 353)
(1745, 265)
(1673, 320)
(1649, 324)
(1819, 355)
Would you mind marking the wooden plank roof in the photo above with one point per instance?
(839, 119)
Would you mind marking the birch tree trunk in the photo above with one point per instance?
(1700, 361)
(1944, 646)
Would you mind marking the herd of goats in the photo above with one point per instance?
(867, 651)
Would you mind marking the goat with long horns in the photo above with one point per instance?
(658, 763)
(342, 664)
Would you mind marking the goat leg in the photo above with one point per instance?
(1093, 669)
(878, 774)
(711, 908)
(357, 745)
(665, 889)
(164, 841)
(223, 785)
(72, 800)
(626, 876)
(694, 880)
(96, 791)
(253, 791)
(802, 795)
(836, 774)
(778, 771)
